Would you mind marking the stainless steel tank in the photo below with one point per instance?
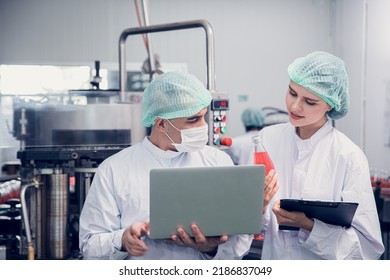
(48, 212)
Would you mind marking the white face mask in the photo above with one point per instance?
(192, 139)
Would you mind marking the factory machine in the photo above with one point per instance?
(61, 147)
(63, 142)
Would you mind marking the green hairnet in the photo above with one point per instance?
(253, 117)
(173, 95)
(326, 76)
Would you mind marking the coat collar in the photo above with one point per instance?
(158, 152)
(312, 141)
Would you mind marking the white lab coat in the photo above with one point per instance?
(241, 150)
(119, 197)
(328, 166)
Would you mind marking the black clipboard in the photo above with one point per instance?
(338, 213)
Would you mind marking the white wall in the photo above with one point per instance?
(362, 39)
(348, 37)
(378, 84)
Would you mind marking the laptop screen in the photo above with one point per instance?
(223, 200)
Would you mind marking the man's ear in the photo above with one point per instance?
(160, 124)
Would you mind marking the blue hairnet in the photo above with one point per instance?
(253, 117)
(173, 95)
(326, 76)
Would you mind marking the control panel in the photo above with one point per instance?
(218, 120)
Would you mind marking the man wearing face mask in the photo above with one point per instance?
(114, 220)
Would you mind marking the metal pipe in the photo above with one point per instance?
(145, 9)
(30, 246)
(363, 79)
(23, 128)
(168, 27)
(87, 182)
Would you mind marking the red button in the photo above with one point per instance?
(226, 141)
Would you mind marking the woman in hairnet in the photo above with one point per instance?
(241, 150)
(114, 219)
(314, 160)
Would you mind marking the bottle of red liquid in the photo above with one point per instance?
(261, 157)
(260, 154)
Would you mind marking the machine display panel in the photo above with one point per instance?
(220, 104)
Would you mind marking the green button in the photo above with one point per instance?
(223, 130)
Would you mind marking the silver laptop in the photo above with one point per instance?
(220, 200)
